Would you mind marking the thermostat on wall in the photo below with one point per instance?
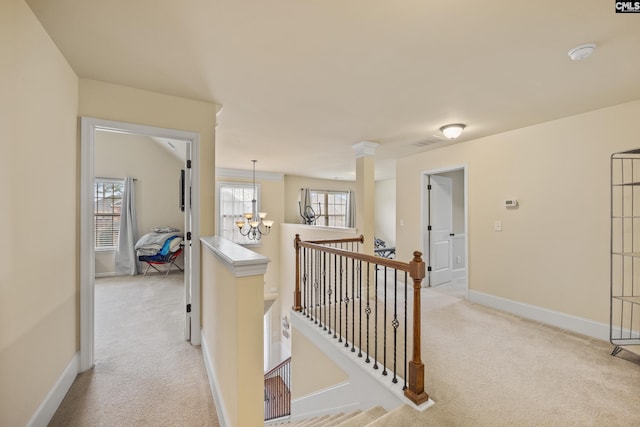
(511, 203)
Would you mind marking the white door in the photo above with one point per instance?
(441, 222)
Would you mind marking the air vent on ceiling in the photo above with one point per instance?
(433, 139)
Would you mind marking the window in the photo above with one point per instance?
(331, 207)
(107, 205)
(234, 200)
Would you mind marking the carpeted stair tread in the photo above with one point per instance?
(319, 420)
(364, 418)
(404, 416)
(326, 421)
(343, 418)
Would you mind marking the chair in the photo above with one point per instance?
(153, 260)
(381, 249)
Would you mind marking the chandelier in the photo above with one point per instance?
(254, 225)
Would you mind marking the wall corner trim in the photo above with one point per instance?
(52, 401)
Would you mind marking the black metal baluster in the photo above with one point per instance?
(324, 289)
(360, 309)
(311, 255)
(329, 295)
(336, 294)
(375, 323)
(384, 326)
(340, 313)
(395, 325)
(305, 267)
(353, 305)
(316, 286)
(368, 311)
(313, 285)
(346, 304)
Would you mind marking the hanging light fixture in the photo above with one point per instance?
(254, 225)
(452, 131)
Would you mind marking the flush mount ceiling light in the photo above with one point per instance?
(581, 52)
(452, 131)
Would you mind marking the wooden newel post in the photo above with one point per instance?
(415, 390)
(297, 296)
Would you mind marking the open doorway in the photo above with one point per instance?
(91, 129)
(445, 226)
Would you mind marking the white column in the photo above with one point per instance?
(365, 192)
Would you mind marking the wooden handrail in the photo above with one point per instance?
(330, 241)
(416, 270)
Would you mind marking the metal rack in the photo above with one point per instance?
(624, 330)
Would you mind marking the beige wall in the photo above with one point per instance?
(232, 335)
(325, 373)
(119, 103)
(39, 187)
(385, 211)
(157, 174)
(553, 250)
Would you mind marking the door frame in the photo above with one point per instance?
(425, 215)
(88, 127)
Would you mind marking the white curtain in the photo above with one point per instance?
(351, 210)
(126, 254)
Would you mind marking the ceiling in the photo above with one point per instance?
(302, 81)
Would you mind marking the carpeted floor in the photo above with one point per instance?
(483, 367)
(145, 373)
(487, 368)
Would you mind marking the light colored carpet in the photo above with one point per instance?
(145, 373)
(483, 368)
(487, 368)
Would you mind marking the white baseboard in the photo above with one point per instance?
(108, 274)
(223, 417)
(558, 319)
(51, 402)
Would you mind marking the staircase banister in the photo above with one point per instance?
(385, 262)
(331, 241)
(280, 365)
(314, 305)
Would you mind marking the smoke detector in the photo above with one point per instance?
(581, 52)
